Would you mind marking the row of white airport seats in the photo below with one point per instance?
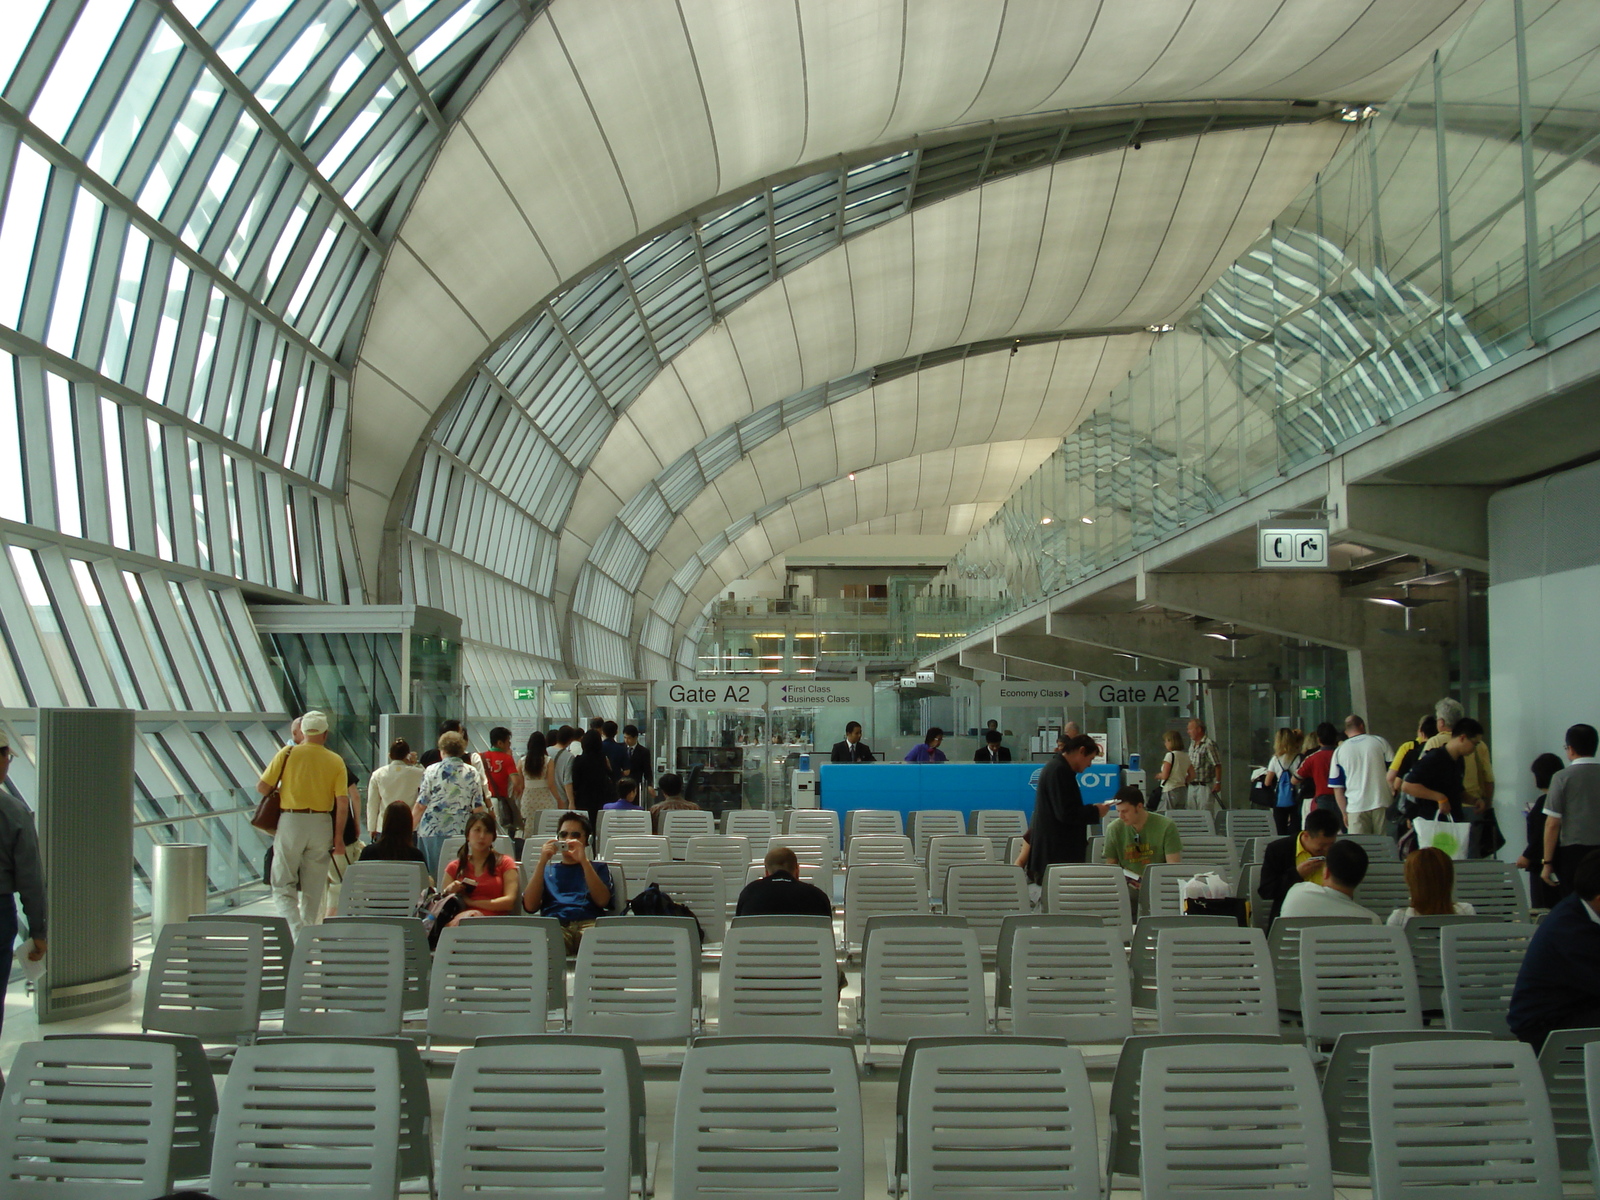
(1416, 1111)
(640, 977)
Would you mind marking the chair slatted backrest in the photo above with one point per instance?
(1190, 820)
(699, 887)
(999, 825)
(550, 1117)
(419, 956)
(732, 854)
(869, 849)
(1095, 852)
(1380, 847)
(1091, 890)
(1245, 824)
(761, 1117)
(873, 822)
(953, 850)
(1255, 849)
(1344, 1092)
(816, 821)
(1384, 888)
(1160, 889)
(955, 1144)
(1561, 1062)
(277, 948)
(1066, 981)
(778, 978)
(622, 822)
(1212, 1118)
(814, 849)
(546, 822)
(1214, 980)
(636, 852)
(326, 1125)
(1123, 1133)
(921, 977)
(680, 825)
(1492, 888)
(490, 976)
(816, 874)
(1356, 979)
(755, 824)
(1460, 1118)
(347, 978)
(1210, 852)
(205, 980)
(382, 889)
(83, 1118)
(1142, 949)
(934, 822)
(1283, 943)
(986, 894)
(637, 977)
(880, 892)
(1423, 935)
(1480, 965)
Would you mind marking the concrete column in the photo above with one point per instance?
(1392, 686)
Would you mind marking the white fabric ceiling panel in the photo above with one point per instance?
(754, 78)
(854, 64)
(819, 301)
(855, 429)
(944, 257)
(1074, 234)
(897, 432)
(941, 35)
(485, 259)
(403, 345)
(775, 468)
(1009, 232)
(741, 489)
(816, 453)
(372, 430)
(768, 353)
(626, 460)
(626, 53)
(882, 304)
(716, 384)
(939, 401)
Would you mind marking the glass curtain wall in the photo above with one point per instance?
(1458, 229)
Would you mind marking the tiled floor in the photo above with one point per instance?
(878, 1086)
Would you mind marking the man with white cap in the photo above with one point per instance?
(21, 872)
(311, 783)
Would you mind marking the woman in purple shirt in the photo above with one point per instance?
(927, 751)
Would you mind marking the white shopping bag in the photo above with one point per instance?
(1207, 885)
(1449, 836)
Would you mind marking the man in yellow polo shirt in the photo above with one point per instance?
(311, 782)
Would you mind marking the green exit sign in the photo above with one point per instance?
(524, 693)
(1311, 693)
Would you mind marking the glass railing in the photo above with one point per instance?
(1459, 226)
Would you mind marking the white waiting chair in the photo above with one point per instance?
(347, 978)
(816, 874)
(778, 978)
(1242, 824)
(873, 849)
(761, 1117)
(1214, 980)
(953, 850)
(511, 1115)
(490, 977)
(881, 891)
(934, 822)
(1463, 1118)
(872, 822)
(680, 825)
(1493, 888)
(1161, 887)
(1283, 944)
(814, 848)
(986, 894)
(1561, 1063)
(277, 948)
(621, 822)
(1215, 1120)
(1423, 935)
(1384, 888)
(83, 1118)
(1064, 980)
(954, 1146)
(546, 822)
(418, 956)
(1380, 847)
(1190, 820)
(755, 824)
(638, 977)
(816, 821)
(1210, 852)
(205, 981)
(636, 852)
(382, 889)
(286, 1116)
(1097, 891)
(732, 854)
(700, 887)
(1480, 965)
(1142, 949)
(921, 977)
(999, 825)
(1356, 979)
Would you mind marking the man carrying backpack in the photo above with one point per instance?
(502, 781)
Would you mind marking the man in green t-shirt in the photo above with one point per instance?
(1140, 837)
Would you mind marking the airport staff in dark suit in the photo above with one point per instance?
(852, 749)
(991, 751)
(1060, 829)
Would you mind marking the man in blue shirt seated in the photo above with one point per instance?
(627, 797)
(566, 884)
(1558, 986)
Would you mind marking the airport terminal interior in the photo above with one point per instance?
(845, 404)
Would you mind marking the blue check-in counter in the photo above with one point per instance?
(963, 786)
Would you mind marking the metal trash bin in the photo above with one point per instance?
(178, 890)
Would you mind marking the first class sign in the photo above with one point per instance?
(818, 693)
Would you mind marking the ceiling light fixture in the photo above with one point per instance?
(1159, 328)
(852, 474)
(1045, 520)
(1087, 520)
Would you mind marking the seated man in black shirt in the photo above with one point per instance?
(781, 892)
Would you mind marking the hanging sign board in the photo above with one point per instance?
(1052, 694)
(1281, 546)
(709, 693)
(1112, 693)
(818, 693)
